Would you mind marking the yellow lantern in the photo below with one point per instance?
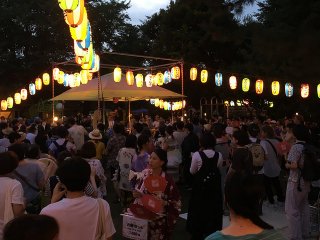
(161, 104)
(259, 86)
(88, 58)
(117, 74)
(10, 102)
(193, 73)
(160, 79)
(84, 76)
(157, 102)
(275, 88)
(4, 105)
(233, 82)
(17, 98)
(24, 94)
(75, 17)
(61, 77)
(79, 33)
(68, 5)
(130, 78)
(165, 106)
(304, 90)
(79, 52)
(175, 73)
(55, 73)
(139, 80)
(204, 76)
(46, 78)
(245, 84)
(318, 90)
(38, 84)
(77, 79)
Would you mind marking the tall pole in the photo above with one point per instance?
(182, 87)
(129, 116)
(52, 80)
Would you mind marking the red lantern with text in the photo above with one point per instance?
(259, 86)
(38, 84)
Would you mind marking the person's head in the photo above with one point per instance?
(301, 132)
(158, 159)
(118, 128)
(267, 132)
(218, 130)
(242, 195)
(62, 132)
(144, 142)
(88, 150)
(162, 130)
(241, 138)
(8, 162)
(207, 141)
(30, 227)
(101, 127)
(253, 130)
(189, 127)
(95, 135)
(169, 130)
(298, 119)
(71, 121)
(19, 149)
(180, 125)
(131, 141)
(32, 128)
(62, 156)
(74, 174)
(33, 151)
(14, 137)
(138, 127)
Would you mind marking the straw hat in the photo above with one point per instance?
(95, 134)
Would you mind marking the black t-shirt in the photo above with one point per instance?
(242, 160)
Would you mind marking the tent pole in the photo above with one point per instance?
(52, 96)
(182, 88)
(129, 115)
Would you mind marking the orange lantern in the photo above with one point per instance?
(10, 102)
(304, 90)
(61, 77)
(139, 80)
(4, 105)
(130, 78)
(193, 73)
(259, 86)
(204, 76)
(117, 74)
(245, 84)
(17, 98)
(24, 94)
(55, 73)
(79, 33)
(90, 75)
(160, 79)
(75, 17)
(233, 82)
(46, 78)
(38, 84)
(275, 88)
(175, 73)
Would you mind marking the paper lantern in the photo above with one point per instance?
(184, 102)
(204, 76)
(79, 52)
(77, 79)
(32, 89)
(193, 73)
(139, 80)
(90, 75)
(68, 5)
(161, 104)
(71, 81)
(75, 17)
(157, 102)
(259, 86)
(245, 84)
(79, 33)
(130, 78)
(175, 73)
(55, 73)
(10, 102)
(84, 76)
(117, 74)
(167, 77)
(85, 44)
(149, 80)
(169, 106)
(17, 98)
(46, 78)
(66, 80)
(160, 79)
(61, 77)
(318, 90)
(87, 59)
(38, 83)
(304, 90)
(96, 64)
(165, 106)
(4, 105)
(152, 101)
(233, 82)
(288, 89)
(24, 94)
(275, 88)
(218, 79)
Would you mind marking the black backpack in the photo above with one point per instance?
(311, 164)
(59, 148)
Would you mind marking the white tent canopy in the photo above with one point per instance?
(111, 89)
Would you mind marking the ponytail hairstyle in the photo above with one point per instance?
(242, 195)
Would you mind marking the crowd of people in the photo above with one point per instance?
(55, 175)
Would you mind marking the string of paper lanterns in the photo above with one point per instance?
(167, 105)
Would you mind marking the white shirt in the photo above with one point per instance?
(196, 161)
(17, 196)
(77, 133)
(31, 137)
(78, 218)
(70, 146)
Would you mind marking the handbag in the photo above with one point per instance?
(101, 226)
